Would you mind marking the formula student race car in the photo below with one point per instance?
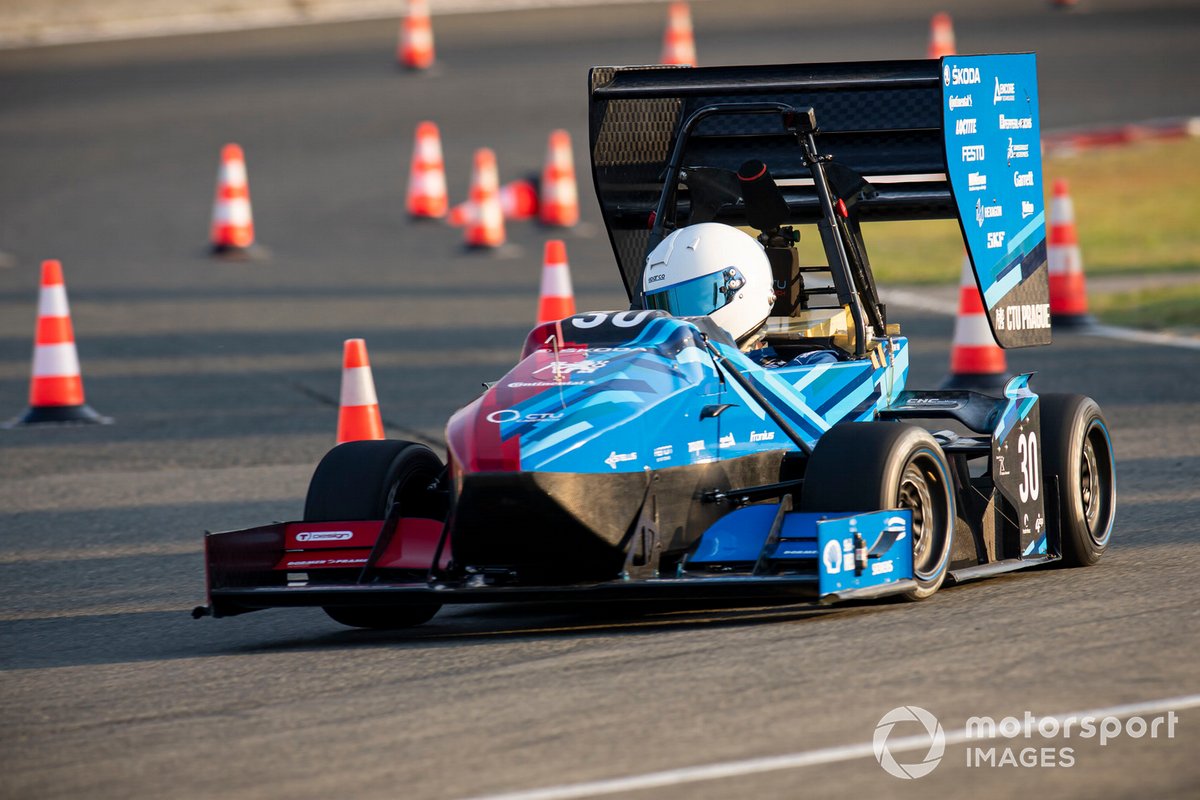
(667, 451)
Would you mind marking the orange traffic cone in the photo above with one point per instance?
(232, 229)
(976, 361)
(559, 204)
(358, 414)
(485, 217)
(557, 299)
(679, 45)
(415, 50)
(56, 387)
(1068, 290)
(427, 176)
(519, 199)
(941, 36)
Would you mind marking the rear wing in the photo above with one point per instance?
(955, 138)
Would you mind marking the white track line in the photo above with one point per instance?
(826, 755)
(933, 305)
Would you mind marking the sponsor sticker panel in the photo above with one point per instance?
(992, 138)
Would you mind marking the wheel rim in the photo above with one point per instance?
(1096, 483)
(923, 492)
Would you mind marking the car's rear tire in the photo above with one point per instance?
(869, 466)
(1077, 450)
(360, 480)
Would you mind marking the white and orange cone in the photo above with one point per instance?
(679, 43)
(1068, 289)
(232, 229)
(415, 49)
(559, 201)
(56, 386)
(358, 412)
(427, 197)
(557, 300)
(976, 361)
(485, 217)
(518, 201)
(941, 36)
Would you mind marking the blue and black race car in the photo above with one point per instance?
(661, 451)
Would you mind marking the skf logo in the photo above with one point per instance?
(995, 239)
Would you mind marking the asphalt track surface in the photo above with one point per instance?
(222, 377)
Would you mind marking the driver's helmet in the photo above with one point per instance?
(715, 270)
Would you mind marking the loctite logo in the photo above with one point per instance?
(324, 536)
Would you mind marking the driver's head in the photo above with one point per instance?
(715, 270)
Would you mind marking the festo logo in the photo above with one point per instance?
(932, 729)
(973, 152)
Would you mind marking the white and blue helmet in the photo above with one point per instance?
(712, 270)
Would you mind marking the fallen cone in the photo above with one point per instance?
(427, 197)
(358, 412)
(56, 385)
(1068, 288)
(679, 44)
(976, 361)
(557, 300)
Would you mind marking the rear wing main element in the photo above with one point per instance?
(955, 138)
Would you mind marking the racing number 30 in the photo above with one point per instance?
(1031, 464)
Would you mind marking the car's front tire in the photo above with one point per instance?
(869, 466)
(361, 480)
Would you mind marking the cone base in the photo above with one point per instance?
(979, 382)
(229, 252)
(1062, 321)
(82, 414)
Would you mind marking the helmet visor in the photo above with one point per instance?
(698, 296)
